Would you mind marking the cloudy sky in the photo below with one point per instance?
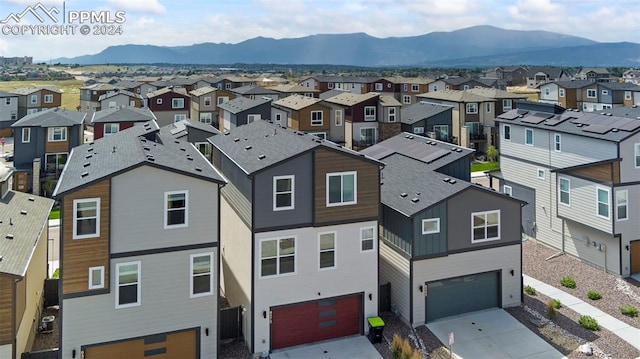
(173, 22)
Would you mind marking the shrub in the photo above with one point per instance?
(588, 322)
(530, 290)
(629, 311)
(552, 312)
(56, 274)
(568, 282)
(407, 350)
(556, 303)
(594, 295)
(396, 346)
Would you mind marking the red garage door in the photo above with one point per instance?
(308, 322)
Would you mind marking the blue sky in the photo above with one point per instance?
(173, 22)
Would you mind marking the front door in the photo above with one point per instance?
(635, 257)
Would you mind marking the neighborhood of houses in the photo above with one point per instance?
(307, 207)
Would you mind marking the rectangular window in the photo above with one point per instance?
(204, 148)
(547, 91)
(26, 135)
(418, 130)
(57, 134)
(435, 88)
(378, 86)
(222, 99)
(96, 277)
(34, 99)
(55, 161)
(392, 114)
(557, 144)
(465, 87)
(48, 98)
(14, 115)
(406, 99)
(177, 103)
(7, 100)
(603, 202)
(565, 191)
(405, 87)
(206, 117)
(277, 256)
(431, 225)
(283, 193)
(207, 101)
(112, 104)
(415, 87)
(507, 190)
(636, 151)
(227, 85)
(368, 135)
(329, 85)
(176, 209)
(591, 93)
(622, 204)
(506, 135)
(179, 117)
(507, 105)
(253, 118)
(111, 128)
(367, 239)
(327, 249)
(561, 92)
(627, 95)
(128, 284)
(32, 111)
(528, 136)
(488, 107)
(472, 108)
(485, 226)
(316, 118)
(369, 113)
(338, 117)
(541, 173)
(201, 275)
(442, 132)
(86, 218)
(341, 188)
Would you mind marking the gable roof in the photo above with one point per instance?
(31, 89)
(552, 72)
(350, 99)
(202, 91)
(53, 117)
(164, 90)
(252, 90)
(293, 88)
(101, 87)
(570, 84)
(180, 129)
(296, 102)
(340, 79)
(139, 145)
(495, 93)
(241, 104)
(123, 114)
(331, 93)
(454, 96)
(620, 86)
(128, 84)
(421, 110)
(389, 101)
(4, 94)
(114, 93)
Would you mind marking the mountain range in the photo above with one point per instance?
(475, 46)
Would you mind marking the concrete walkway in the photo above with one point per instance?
(625, 331)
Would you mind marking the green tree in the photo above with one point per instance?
(492, 153)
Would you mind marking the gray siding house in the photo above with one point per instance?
(428, 119)
(241, 111)
(8, 112)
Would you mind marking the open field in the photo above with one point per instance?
(532, 94)
(91, 68)
(70, 90)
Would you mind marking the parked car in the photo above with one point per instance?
(8, 156)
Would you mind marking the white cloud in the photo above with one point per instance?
(141, 6)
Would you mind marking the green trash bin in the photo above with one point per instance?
(376, 326)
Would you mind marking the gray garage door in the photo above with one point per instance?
(459, 295)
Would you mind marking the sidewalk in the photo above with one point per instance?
(623, 330)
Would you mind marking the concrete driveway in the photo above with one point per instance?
(358, 347)
(492, 334)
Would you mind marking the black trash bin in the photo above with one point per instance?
(376, 326)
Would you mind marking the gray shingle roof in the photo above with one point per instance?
(572, 84)
(202, 91)
(552, 72)
(181, 128)
(629, 112)
(135, 146)
(53, 117)
(253, 90)
(496, 93)
(293, 88)
(331, 93)
(124, 114)
(7, 94)
(32, 89)
(111, 94)
(454, 96)
(240, 104)
(421, 110)
(623, 86)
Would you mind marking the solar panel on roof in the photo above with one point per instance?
(522, 112)
(599, 129)
(435, 156)
(379, 152)
(509, 115)
(554, 120)
(631, 126)
(533, 119)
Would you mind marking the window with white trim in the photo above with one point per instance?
(206, 117)
(316, 118)
(557, 142)
(327, 250)
(547, 91)
(96, 277)
(179, 117)
(392, 114)
(111, 128)
(378, 86)
(485, 226)
(128, 285)
(341, 188)
(32, 111)
(415, 88)
(177, 103)
(86, 218)
(277, 256)
(159, 101)
(418, 130)
(7, 101)
(26, 135)
(176, 209)
(435, 87)
(207, 101)
(329, 85)
(636, 150)
(472, 108)
(528, 136)
(222, 99)
(34, 99)
(201, 283)
(603, 202)
(542, 174)
(405, 87)
(591, 93)
(622, 205)
(560, 92)
(506, 134)
(57, 134)
(322, 135)
(507, 104)
(369, 135)
(369, 113)
(227, 85)
(367, 239)
(627, 95)
(406, 99)
(253, 117)
(605, 92)
(48, 98)
(338, 117)
(431, 225)
(564, 188)
(442, 132)
(283, 192)
(506, 189)
(112, 104)
(205, 148)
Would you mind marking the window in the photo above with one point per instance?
(442, 132)
(55, 161)
(405, 87)
(591, 93)
(465, 87)
(547, 91)
(507, 190)
(565, 191)
(472, 108)
(179, 117)
(435, 87)
(34, 99)
(485, 226)
(277, 256)
(132, 103)
(7, 100)
(86, 218)
(341, 188)
(159, 101)
(431, 225)
(392, 114)
(176, 209)
(112, 104)
(26, 135)
(57, 134)
(283, 193)
(378, 86)
(557, 143)
(627, 95)
(603, 202)
(338, 117)
(207, 101)
(367, 239)
(406, 99)
(488, 107)
(368, 135)
(201, 275)
(222, 99)
(415, 87)
(48, 98)
(206, 117)
(369, 113)
(561, 92)
(637, 154)
(128, 285)
(622, 203)
(541, 173)
(111, 128)
(418, 130)
(322, 135)
(227, 86)
(329, 85)
(96, 277)
(327, 249)
(253, 117)
(605, 92)
(507, 133)
(177, 103)
(316, 118)
(14, 115)
(528, 136)
(204, 148)
(32, 110)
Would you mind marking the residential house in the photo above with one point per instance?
(193, 132)
(139, 248)
(242, 110)
(299, 235)
(593, 74)
(169, 104)
(411, 88)
(360, 115)
(39, 98)
(8, 113)
(390, 86)
(138, 87)
(231, 82)
(578, 171)
(510, 75)
(568, 94)
(458, 83)
(295, 89)
(541, 75)
(604, 95)
(254, 91)
(432, 120)
(322, 83)
(90, 96)
(113, 120)
(632, 75)
(204, 105)
(23, 266)
(301, 113)
(504, 101)
(120, 98)
(41, 145)
(389, 119)
(447, 246)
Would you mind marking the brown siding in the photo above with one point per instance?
(602, 172)
(21, 299)
(304, 115)
(368, 184)
(80, 254)
(57, 99)
(388, 130)
(178, 346)
(6, 306)
(166, 102)
(59, 146)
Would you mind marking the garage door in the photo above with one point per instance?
(308, 322)
(160, 346)
(459, 295)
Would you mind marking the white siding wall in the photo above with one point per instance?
(355, 272)
(628, 170)
(394, 269)
(552, 97)
(576, 236)
(584, 205)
